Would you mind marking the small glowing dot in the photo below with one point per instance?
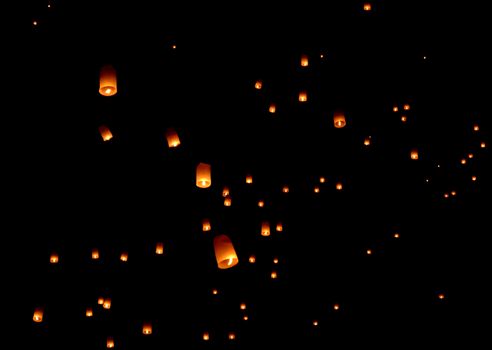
(49, 5)
(474, 178)
(88, 312)
(321, 56)
(426, 180)
(339, 186)
(367, 141)
(425, 57)
(453, 193)
(275, 260)
(476, 127)
(463, 161)
(315, 323)
(482, 145)
(438, 165)
(396, 235)
(406, 107)
(336, 307)
(258, 85)
(100, 301)
(206, 336)
(441, 296)
(54, 258)
(403, 118)
(261, 203)
(242, 306)
(395, 109)
(249, 179)
(124, 257)
(252, 259)
(470, 155)
(322, 179)
(232, 336)
(273, 275)
(369, 252)
(245, 318)
(367, 6)
(174, 47)
(215, 291)
(285, 189)
(272, 108)
(316, 189)
(34, 23)
(446, 195)
(107, 304)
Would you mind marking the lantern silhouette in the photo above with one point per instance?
(482, 145)
(279, 227)
(275, 260)
(107, 81)
(249, 179)
(339, 119)
(159, 248)
(54, 258)
(172, 138)
(203, 175)
(206, 336)
(252, 259)
(272, 108)
(285, 189)
(206, 225)
(304, 61)
(265, 228)
(105, 133)
(414, 154)
(316, 189)
(124, 257)
(339, 186)
(258, 84)
(225, 191)
(88, 312)
(215, 291)
(303, 96)
(227, 201)
(474, 178)
(110, 342)
(95, 254)
(463, 161)
(147, 328)
(38, 315)
(107, 303)
(367, 6)
(224, 252)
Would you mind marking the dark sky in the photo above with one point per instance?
(133, 191)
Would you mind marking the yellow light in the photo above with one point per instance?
(159, 248)
(272, 108)
(470, 155)
(88, 312)
(242, 306)
(476, 127)
(227, 201)
(206, 226)
(315, 323)
(369, 252)
(339, 186)
(367, 141)
(245, 317)
(215, 291)
(124, 257)
(95, 254)
(285, 189)
(414, 154)
(322, 179)
(252, 259)
(453, 193)
(225, 191)
(249, 179)
(403, 118)
(174, 47)
(54, 258)
(441, 296)
(38, 315)
(474, 178)
(367, 6)
(100, 300)
(304, 61)
(302, 96)
(396, 235)
(273, 275)
(35, 23)
(316, 189)
(336, 307)
(463, 161)
(107, 304)
(395, 109)
(232, 336)
(482, 145)
(258, 85)
(275, 260)
(110, 343)
(406, 107)
(261, 203)
(147, 328)
(205, 336)
(446, 195)
(279, 227)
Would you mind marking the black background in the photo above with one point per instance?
(133, 191)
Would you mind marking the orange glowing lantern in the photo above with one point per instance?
(406, 107)
(249, 179)
(304, 61)
(446, 195)
(265, 228)
(470, 155)
(203, 175)
(242, 306)
(245, 317)
(368, 252)
(441, 296)
(279, 227)
(403, 118)
(38, 315)
(414, 154)
(124, 257)
(339, 186)
(261, 203)
(474, 178)
(336, 307)
(107, 303)
(453, 193)
(232, 336)
(396, 235)
(463, 161)
(476, 127)
(225, 191)
(147, 328)
(172, 138)
(367, 6)
(258, 84)
(110, 342)
(285, 189)
(315, 323)
(273, 275)
(395, 108)
(159, 248)
(252, 259)
(107, 81)
(275, 260)
(339, 119)
(316, 189)
(206, 225)
(215, 291)
(88, 312)
(322, 180)
(54, 258)
(206, 336)
(367, 141)
(105, 133)
(227, 201)
(482, 145)
(272, 109)
(224, 252)
(95, 254)
(303, 96)
(100, 300)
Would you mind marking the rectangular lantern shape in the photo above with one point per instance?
(203, 175)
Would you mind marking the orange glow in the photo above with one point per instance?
(367, 6)
(273, 275)
(395, 109)
(396, 235)
(446, 195)
(322, 180)
(463, 161)
(482, 145)
(258, 84)
(302, 96)
(95, 254)
(339, 119)
(249, 179)
(315, 323)
(476, 127)
(147, 328)
(441, 296)
(88, 312)
(252, 259)
(228, 201)
(339, 186)
(474, 178)
(110, 343)
(336, 307)
(203, 175)
(172, 138)
(107, 81)
(470, 155)
(367, 141)
(215, 291)
(242, 306)
(206, 336)
(100, 300)
(265, 228)
(159, 248)
(54, 258)
(403, 118)
(304, 61)
(225, 191)
(174, 47)
(261, 203)
(406, 107)
(38, 315)
(105, 133)
(206, 225)
(316, 189)
(35, 23)
(107, 303)
(414, 154)
(224, 252)
(369, 252)
(232, 336)
(285, 189)
(124, 257)
(275, 260)
(245, 317)
(453, 193)
(279, 227)
(272, 108)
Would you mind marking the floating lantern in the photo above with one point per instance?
(403, 118)
(367, 6)
(206, 225)
(54, 258)
(105, 133)
(336, 307)
(203, 175)
(322, 180)
(159, 248)
(232, 336)
(206, 336)
(272, 109)
(147, 328)
(406, 107)
(279, 227)
(95, 254)
(100, 300)
(110, 342)
(302, 96)
(304, 61)
(463, 161)
(107, 303)
(245, 317)
(316, 189)
(275, 260)
(395, 109)
(482, 145)
(474, 178)
(252, 259)
(315, 323)
(396, 235)
(339, 119)
(249, 179)
(285, 189)
(225, 191)
(470, 155)
(265, 228)
(368, 252)
(228, 201)
(88, 312)
(453, 193)
(339, 186)
(38, 315)
(107, 81)
(258, 84)
(124, 257)
(367, 141)
(261, 203)
(441, 296)
(476, 127)
(242, 306)
(215, 291)
(172, 138)
(224, 252)
(414, 154)
(273, 275)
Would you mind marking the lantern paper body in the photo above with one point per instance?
(105, 133)
(279, 227)
(225, 191)
(414, 154)
(367, 141)
(88, 312)
(206, 225)
(38, 315)
(272, 108)
(100, 301)
(265, 228)
(339, 120)
(110, 343)
(203, 175)
(232, 336)
(159, 248)
(172, 138)
(303, 96)
(258, 85)
(95, 254)
(224, 252)
(249, 179)
(367, 6)
(107, 81)
(252, 259)
(206, 336)
(227, 201)
(304, 61)
(54, 258)
(339, 186)
(285, 189)
(107, 303)
(124, 257)
(147, 328)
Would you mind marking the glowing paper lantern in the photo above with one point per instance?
(272, 109)
(303, 96)
(54, 258)
(252, 259)
(304, 61)
(206, 336)
(249, 179)
(107, 81)
(336, 307)
(242, 306)
(339, 186)
(88, 312)
(406, 107)
(95, 254)
(339, 119)
(285, 189)
(482, 145)
(105, 133)
(172, 138)
(225, 191)
(316, 189)
(110, 342)
(265, 228)
(206, 225)
(322, 180)
(224, 252)
(100, 300)
(147, 328)
(414, 154)
(107, 303)
(403, 118)
(367, 6)
(279, 227)
(124, 257)
(273, 275)
(38, 315)
(159, 248)
(232, 336)
(228, 201)
(395, 109)
(203, 175)
(367, 141)
(476, 127)
(261, 203)
(258, 84)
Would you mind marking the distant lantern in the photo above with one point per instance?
(206, 336)
(285, 189)
(476, 127)
(463, 161)
(406, 107)
(265, 228)
(315, 323)
(441, 296)
(339, 119)
(147, 328)
(249, 179)
(159, 248)
(367, 6)
(302, 96)
(110, 342)
(322, 180)
(225, 191)
(446, 195)
(124, 257)
(453, 193)
(258, 84)
(368, 252)
(395, 108)
(414, 154)
(227, 201)
(54, 258)
(172, 138)
(273, 275)
(107, 81)
(474, 178)
(224, 252)
(403, 118)
(38, 315)
(316, 189)
(367, 141)
(272, 109)
(95, 254)
(107, 303)
(88, 312)
(396, 235)
(279, 227)
(470, 155)
(203, 175)
(206, 225)
(242, 306)
(304, 61)
(261, 203)
(245, 317)
(105, 133)
(339, 186)
(100, 300)
(482, 145)
(336, 307)
(232, 336)
(275, 260)
(215, 291)
(252, 259)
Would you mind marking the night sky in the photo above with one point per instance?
(396, 258)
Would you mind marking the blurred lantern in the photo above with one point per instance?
(396, 235)
(228, 201)
(275, 260)
(225, 191)
(453, 193)
(476, 127)
(474, 178)
(273, 275)
(258, 84)
(315, 323)
(369, 252)
(414, 154)
(482, 145)
(203, 175)
(336, 307)
(232, 336)
(242, 306)
(38, 315)
(100, 300)
(107, 303)
(252, 259)
(285, 189)
(206, 336)
(367, 141)
(105, 133)
(215, 291)
(110, 343)
(367, 6)
(261, 203)
(107, 81)
(279, 227)
(172, 138)
(316, 189)
(406, 107)
(265, 228)
(470, 155)
(159, 248)
(95, 254)
(245, 317)
(446, 195)
(339, 119)
(304, 61)
(403, 118)
(322, 180)
(272, 109)
(339, 186)
(395, 108)
(249, 179)
(224, 252)
(88, 312)
(302, 96)
(206, 225)
(124, 257)
(441, 296)
(463, 161)
(54, 258)
(147, 328)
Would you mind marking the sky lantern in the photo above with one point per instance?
(224, 252)
(147, 328)
(273, 275)
(107, 303)
(258, 85)
(100, 301)
(303, 96)
(339, 186)
(105, 133)
(206, 336)
(249, 179)
(38, 315)
(265, 228)
(107, 81)
(109, 342)
(403, 118)
(172, 138)
(252, 259)
(227, 201)
(88, 312)
(339, 119)
(285, 189)
(395, 108)
(272, 108)
(54, 258)
(225, 191)
(279, 227)
(261, 203)
(406, 107)
(304, 61)
(367, 6)
(203, 175)
(124, 256)
(232, 336)
(367, 141)
(206, 225)
(414, 154)
(95, 254)
(159, 248)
